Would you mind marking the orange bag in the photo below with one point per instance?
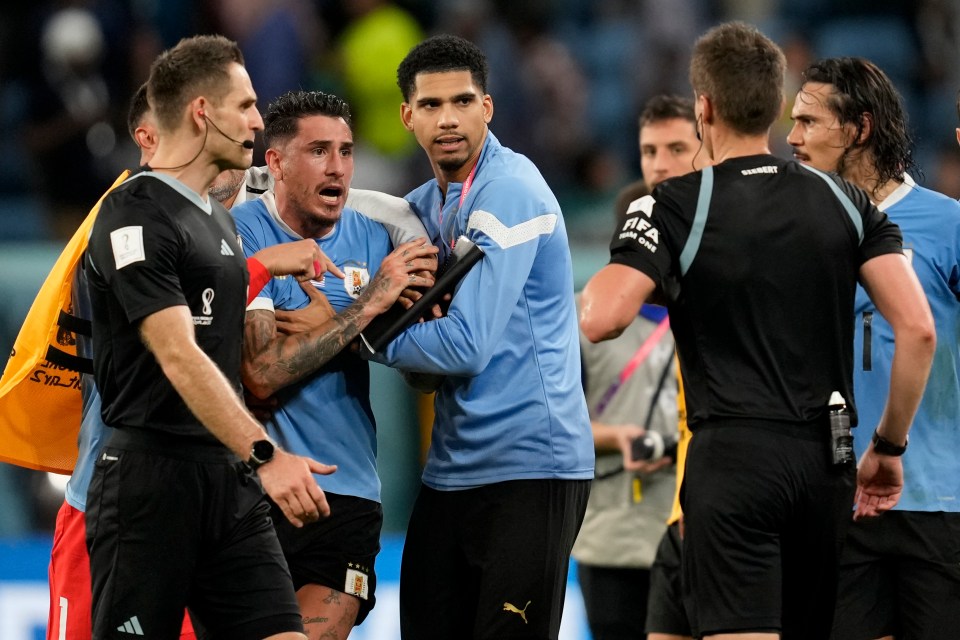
(40, 400)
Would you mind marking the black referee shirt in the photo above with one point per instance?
(763, 317)
(156, 244)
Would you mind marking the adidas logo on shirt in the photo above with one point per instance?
(225, 249)
(131, 626)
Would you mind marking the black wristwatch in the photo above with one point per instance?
(260, 454)
(886, 448)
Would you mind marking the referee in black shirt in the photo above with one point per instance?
(758, 260)
(176, 515)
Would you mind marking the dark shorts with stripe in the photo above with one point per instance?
(173, 523)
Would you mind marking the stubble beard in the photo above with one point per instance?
(451, 165)
(317, 221)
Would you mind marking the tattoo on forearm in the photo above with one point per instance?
(280, 360)
(315, 620)
(333, 598)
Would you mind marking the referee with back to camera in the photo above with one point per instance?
(759, 260)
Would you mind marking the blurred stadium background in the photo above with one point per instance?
(568, 78)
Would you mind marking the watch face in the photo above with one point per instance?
(262, 451)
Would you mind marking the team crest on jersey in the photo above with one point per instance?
(355, 280)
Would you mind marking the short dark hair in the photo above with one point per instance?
(667, 107)
(195, 66)
(439, 54)
(741, 71)
(861, 87)
(139, 105)
(281, 121)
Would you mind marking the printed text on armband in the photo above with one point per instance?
(640, 230)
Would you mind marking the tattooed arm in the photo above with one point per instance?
(272, 360)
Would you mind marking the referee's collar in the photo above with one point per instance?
(179, 187)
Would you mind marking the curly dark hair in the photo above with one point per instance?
(860, 88)
(438, 54)
(742, 72)
(195, 66)
(281, 121)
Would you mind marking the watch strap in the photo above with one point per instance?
(884, 447)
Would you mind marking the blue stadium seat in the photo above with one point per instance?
(885, 41)
(23, 217)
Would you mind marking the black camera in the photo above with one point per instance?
(652, 446)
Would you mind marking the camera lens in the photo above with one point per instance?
(652, 446)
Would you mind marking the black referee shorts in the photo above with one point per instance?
(173, 523)
(491, 562)
(765, 515)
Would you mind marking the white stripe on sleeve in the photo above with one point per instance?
(507, 237)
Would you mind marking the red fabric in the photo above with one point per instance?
(69, 577)
(259, 277)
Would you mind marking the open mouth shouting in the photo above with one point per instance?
(331, 195)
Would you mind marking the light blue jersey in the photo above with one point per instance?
(511, 405)
(93, 431)
(931, 240)
(326, 416)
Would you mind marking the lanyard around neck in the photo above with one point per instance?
(463, 196)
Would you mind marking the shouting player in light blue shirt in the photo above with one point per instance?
(323, 391)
